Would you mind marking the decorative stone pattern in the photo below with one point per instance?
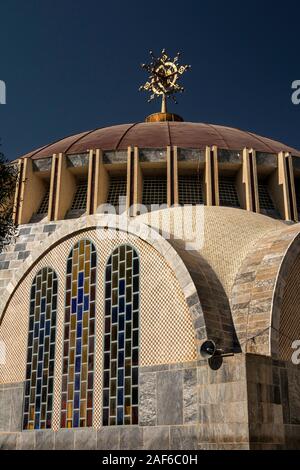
(258, 290)
(238, 402)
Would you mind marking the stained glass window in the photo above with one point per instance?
(121, 338)
(79, 337)
(38, 398)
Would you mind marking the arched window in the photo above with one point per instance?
(38, 398)
(79, 337)
(121, 338)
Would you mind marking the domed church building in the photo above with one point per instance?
(151, 299)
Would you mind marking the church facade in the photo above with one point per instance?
(104, 306)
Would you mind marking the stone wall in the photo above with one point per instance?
(274, 403)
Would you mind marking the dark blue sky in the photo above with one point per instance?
(73, 65)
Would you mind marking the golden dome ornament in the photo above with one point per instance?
(164, 74)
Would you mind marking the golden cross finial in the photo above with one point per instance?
(163, 78)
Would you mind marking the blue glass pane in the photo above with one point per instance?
(121, 340)
(122, 287)
(121, 322)
(121, 304)
(74, 305)
(120, 358)
(76, 400)
(78, 358)
(79, 330)
(86, 302)
(80, 279)
(120, 377)
(76, 419)
(79, 313)
(128, 312)
(43, 304)
(120, 396)
(47, 327)
(120, 416)
(77, 382)
(115, 314)
(80, 296)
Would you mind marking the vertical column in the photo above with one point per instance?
(291, 187)
(175, 175)
(130, 181)
(211, 176)
(138, 181)
(101, 181)
(29, 192)
(283, 196)
(170, 181)
(17, 199)
(65, 188)
(250, 180)
(53, 186)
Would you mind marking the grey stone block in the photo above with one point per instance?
(24, 231)
(23, 254)
(5, 405)
(156, 438)
(44, 439)
(64, 439)
(184, 437)
(147, 399)
(8, 441)
(4, 264)
(16, 414)
(26, 440)
(131, 438)
(49, 228)
(85, 439)
(169, 397)
(190, 396)
(20, 247)
(108, 438)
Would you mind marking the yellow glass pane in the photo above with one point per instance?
(83, 389)
(87, 268)
(73, 322)
(85, 319)
(30, 426)
(69, 424)
(75, 271)
(87, 251)
(69, 410)
(83, 373)
(72, 339)
(82, 408)
(75, 256)
(71, 373)
(81, 263)
(70, 391)
(85, 336)
(74, 289)
(81, 247)
(72, 356)
(31, 412)
(84, 354)
(86, 286)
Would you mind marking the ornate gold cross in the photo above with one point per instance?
(163, 78)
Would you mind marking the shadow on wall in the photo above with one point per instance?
(214, 301)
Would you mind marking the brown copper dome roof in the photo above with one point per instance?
(161, 134)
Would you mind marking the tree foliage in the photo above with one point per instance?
(8, 178)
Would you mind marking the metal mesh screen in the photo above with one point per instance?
(190, 189)
(265, 200)
(80, 198)
(43, 209)
(227, 191)
(154, 190)
(117, 189)
(289, 327)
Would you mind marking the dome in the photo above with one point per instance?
(161, 134)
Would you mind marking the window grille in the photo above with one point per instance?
(228, 193)
(117, 189)
(79, 337)
(38, 397)
(43, 209)
(190, 190)
(265, 201)
(80, 198)
(121, 338)
(154, 190)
